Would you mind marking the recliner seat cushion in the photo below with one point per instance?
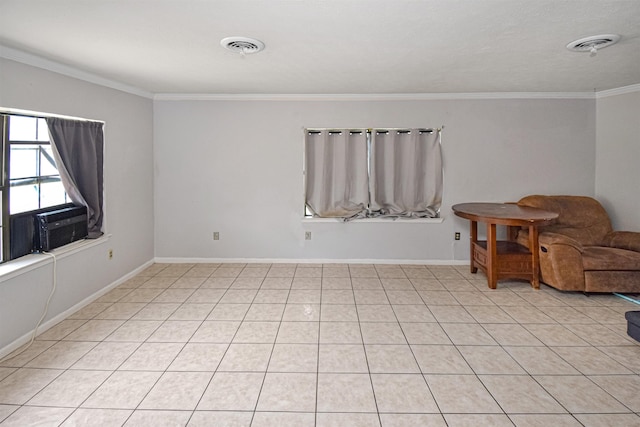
(598, 258)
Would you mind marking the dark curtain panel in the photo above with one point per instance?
(78, 148)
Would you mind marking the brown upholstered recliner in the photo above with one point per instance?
(580, 251)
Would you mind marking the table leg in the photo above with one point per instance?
(535, 257)
(474, 240)
(492, 256)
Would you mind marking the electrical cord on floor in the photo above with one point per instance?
(635, 301)
(46, 307)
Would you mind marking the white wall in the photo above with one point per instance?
(128, 193)
(618, 158)
(236, 167)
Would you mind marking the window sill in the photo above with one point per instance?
(30, 262)
(310, 220)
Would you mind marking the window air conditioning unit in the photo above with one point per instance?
(25, 230)
(60, 227)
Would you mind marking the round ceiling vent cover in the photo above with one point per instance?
(593, 43)
(242, 45)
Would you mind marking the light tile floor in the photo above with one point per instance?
(328, 345)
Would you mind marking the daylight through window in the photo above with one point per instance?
(34, 179)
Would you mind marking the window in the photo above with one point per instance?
(31, 181)
(34, 180)
(361, 173)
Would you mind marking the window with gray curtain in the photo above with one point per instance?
(78, 148)
(373, 173)
(336, 173)
(47, 163)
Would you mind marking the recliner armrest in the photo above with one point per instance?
(628, 240)
(548, 238)
(561, 261)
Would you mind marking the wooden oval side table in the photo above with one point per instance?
(504, 259)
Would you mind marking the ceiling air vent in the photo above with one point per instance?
(593, 43)
(242, 45)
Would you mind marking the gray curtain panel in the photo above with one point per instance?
(336, 173)
(406, 173)
(78, 149)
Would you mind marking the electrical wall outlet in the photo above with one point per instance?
(216, 235)
(307, 235)
(457, 235)
(110, 253)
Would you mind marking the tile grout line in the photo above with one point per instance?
(588, 344)
(162, 373)
(190, 338)
(364, 350)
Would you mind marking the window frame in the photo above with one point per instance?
(4, 187)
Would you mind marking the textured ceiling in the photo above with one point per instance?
(333, 46)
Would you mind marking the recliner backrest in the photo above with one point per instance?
(581, 218)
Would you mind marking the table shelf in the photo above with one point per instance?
(513, 261)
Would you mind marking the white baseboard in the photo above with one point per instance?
(174, 260)
(58, 318)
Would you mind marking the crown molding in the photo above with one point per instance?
(371, 97)
(618, 91)
(47, 64)
(66, 70)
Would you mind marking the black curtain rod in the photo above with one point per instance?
(317, 131)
